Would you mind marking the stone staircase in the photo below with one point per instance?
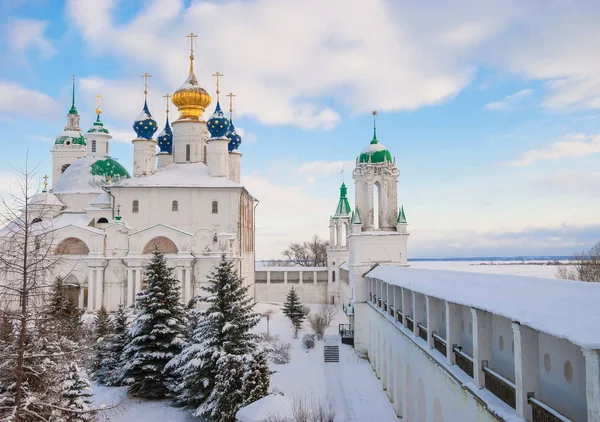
(332, 353)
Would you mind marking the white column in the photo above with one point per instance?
(592, 383)
(332, 234)
(268, 277)
(432, 315)
(482, 343)
(80, 297)
(406, 299)
(418, 312)
(138, 281)
(340, 233)
(130, 288)
(99, 287)
(300, 274)
(452, 330)
(187, 284)
(314, 277)
(527, 367)
(91, 289)
(285, 277)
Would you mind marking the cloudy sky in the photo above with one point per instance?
(491, 108)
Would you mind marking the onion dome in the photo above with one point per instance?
(145, 125)
(165, 139)
(191, 99)
(98, 126)
(375, 152)
(235, 139)
(218, 124)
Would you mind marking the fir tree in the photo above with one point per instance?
(257, 377)
(102, 332)
(157, 332)
(292, 308)
(76, 396)
(213, 362)
(112, 365)
(65, 311)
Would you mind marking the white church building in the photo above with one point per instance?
(186, 200)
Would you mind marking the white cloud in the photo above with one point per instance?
(28, 34)
(509, 101)
(572, 145)
(18, 100)
(318, 169)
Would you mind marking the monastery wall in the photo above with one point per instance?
(273, 284)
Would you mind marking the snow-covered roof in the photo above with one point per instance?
(344, 266)
(189, 175)
(102, 199)
(562, 308)
(45, 198)
(51, 224)
(269, 406)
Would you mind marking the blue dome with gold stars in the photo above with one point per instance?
(145, 125)
(234, 138)
(218, 124)
(165, 139)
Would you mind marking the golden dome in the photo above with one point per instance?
(191, 99)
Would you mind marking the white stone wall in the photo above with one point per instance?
(192, 133)
(503, 359)
(274, 285)
(144, 157)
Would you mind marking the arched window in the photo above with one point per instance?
(93, 145)
(135, 206)
(188, 152)
(333, 276)
(215, 207)
(37, 243)
(205, 154)
(36, 220)
(107, 148)
(102, 220)
(64, 167)
(175, 206)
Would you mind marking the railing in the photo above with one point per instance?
(464, 361)
(343, 327)
(375, 299)
(409, 323)
(391, 310)
(384, 306)
(422, 331)
(370, 297)
(544, 413)
(379, 302)
(439, 344)
(501, 387)
(399, 317)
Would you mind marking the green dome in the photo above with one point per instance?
(98, 127)
(375, 153)
(69, 137)
(89, 174)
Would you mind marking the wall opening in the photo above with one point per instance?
(163, 244)
(93, 145)
(135, 206)
(376, 206)
(72, 246)
(188, 153)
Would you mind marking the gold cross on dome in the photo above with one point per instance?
(217, 76)
(230, 95)
(167, 96)
(146, 75)
(45, 181)
(191, 37)
(98, 109)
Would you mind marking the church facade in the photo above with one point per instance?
(185, 200)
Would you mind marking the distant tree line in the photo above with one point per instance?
(307, 254)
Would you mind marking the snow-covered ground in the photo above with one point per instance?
(350, 386)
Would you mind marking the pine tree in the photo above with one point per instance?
(102, 332)
(221, 342)
(292, 308)
(257, 377)
(112, 365)
(76, 396)
(64, 311)
(157, 332)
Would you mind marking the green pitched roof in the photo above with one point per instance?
(401, 216)
(343, 208)
(356, 217)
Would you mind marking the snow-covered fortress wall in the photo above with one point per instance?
(452, 346)
(274, 283)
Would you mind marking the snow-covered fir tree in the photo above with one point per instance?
(156, 335)
(76, 393)
(292, 308)
(257, 377)
(112, 365)
(211, 368)
(102, 332)
(65, 311)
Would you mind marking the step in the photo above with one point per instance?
(332, 354)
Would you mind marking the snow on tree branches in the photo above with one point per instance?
(292, 308)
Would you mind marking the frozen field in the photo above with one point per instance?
(350, 386)
(497, 267)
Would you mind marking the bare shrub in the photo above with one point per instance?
(305, 310)
(329, 312)
(320, 321)
(584, 266)
(303, 411)
(309, 341)
(280, 352)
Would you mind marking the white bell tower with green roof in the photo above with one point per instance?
(378, 229)
(338, 250)
(69, 145)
